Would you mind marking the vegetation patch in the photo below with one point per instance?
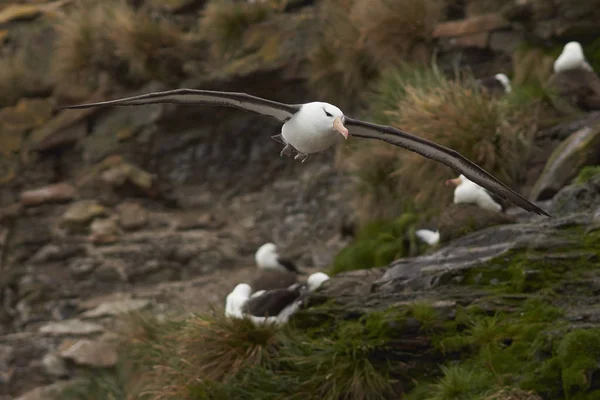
(587, 173)
(379, 243)
(224, 23)
(361, 38)
(112, 39)
(495, 133)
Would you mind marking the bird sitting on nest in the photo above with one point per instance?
(271, 306)
(574, 83)
(276, 272)
(497, 84)
(467, 191)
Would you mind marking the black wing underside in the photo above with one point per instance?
(280, 111)
(441, 154)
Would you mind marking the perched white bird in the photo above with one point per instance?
(572, 57)
(469, 192)
(313, 127)
(315, 280)
(267, 257)
(236, 299)
(429, 237)
(498, 83)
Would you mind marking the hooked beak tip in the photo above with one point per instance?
(338, 125)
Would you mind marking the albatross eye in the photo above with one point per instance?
(326, 113)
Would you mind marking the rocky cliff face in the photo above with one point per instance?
(108, 211)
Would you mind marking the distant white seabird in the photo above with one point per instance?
(469, 192)
(314, 127)
(572, 57)
(267, 257)
(498, 83)
(430, 237)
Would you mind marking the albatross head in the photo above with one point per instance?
(572, 57)
(503, 79)
(327, 117)
(456, 181)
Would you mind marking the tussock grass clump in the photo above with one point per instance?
(360, 38)
(112, 37)
(211, 357)
(493, 132)
(224, 23)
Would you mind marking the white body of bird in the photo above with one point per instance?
(503, 79)
(315, 128)
(236, 300)
(469, 192)
(429, 237)
(315, 280)
(572, 57)
(266, 257)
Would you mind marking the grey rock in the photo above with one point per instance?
(71, 327)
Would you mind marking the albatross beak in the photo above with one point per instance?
(338, 125)
(455, 181)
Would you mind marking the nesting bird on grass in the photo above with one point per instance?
(574, 80)
(276, 272)
(497, 84)
(570, 58)
(314, 127)
(271, 306)
(467, 191)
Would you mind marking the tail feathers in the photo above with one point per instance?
(429, 237)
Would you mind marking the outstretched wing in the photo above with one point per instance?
(442, 154)
(242, 101)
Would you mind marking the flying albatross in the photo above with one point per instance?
(314, 127)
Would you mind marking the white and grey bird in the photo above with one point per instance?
(278, 305)
(236, 300)
(467, 191)
(572, 57)
(498, 83)
(314, 127)
(428, 236)
(267, 257)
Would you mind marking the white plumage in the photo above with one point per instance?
(503, 79)
(236, 300)
(309, 131)
(429, 237)
(572, 57)
(267, 258)
(315, 280)
(469, 192)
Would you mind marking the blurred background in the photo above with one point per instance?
(112, 210)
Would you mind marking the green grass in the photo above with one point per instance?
(379, 243)
(587, 173)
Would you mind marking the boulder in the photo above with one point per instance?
(81, 213)
(58, 192)
(90, 353)
(460, 219)
(580, 149)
